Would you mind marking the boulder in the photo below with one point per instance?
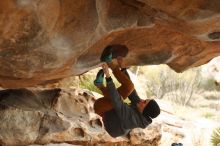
(52, 116)
(44, 41)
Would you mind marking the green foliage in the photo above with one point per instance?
(215, 138)
(86, 82)
(208, 115)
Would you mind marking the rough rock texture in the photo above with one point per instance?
(42, 41)
(60, 116)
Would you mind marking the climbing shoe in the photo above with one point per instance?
(107, 54)
(99, 78)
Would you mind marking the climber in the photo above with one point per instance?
(118, 117)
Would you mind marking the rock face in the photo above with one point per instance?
(60, 116)
(42, 41)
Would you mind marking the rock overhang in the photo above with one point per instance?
(43, 41)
